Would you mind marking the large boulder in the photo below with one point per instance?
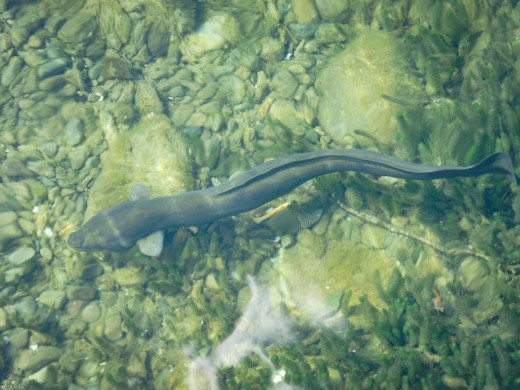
(363, 88)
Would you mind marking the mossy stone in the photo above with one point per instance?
(153, 154)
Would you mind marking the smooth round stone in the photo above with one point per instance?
(211, 282)
(12, 167)
(18, 338)
(54, 83)
(26, 306)
(78, 28)
(12, 70)
(13, 274)
(74, 131)
(287, 240)
(113, 327)
(284, 84)
(24, 104)
(91, 313)
(53, 298)
(47, 375)
(76, 327)
(213, 34)
(49, 149)
(53, 67)
(21, 255)
(41, 110)
(285, 113)
(84, 293)
(46, 253)
(7, 218)
(41, 167)
(157, 40)
(305, 11)
(35, 42)
(31, 361)
(78, 156)
(27, 227)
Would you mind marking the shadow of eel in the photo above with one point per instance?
(120, 227)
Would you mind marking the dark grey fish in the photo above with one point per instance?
(118, 228)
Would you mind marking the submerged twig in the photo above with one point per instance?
(436, 246)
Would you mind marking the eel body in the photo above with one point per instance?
(120, 227)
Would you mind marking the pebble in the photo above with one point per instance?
(46, 253)
(211, 282)
(26, 307)
(271, 49)
(52, 83)
(127, 276)
(7, 218)
(147, 100)
(28, 227)
(18, 338)
(91, 313)
(305, 11)
(75, 327)
(13, 274)
(4, 322)
(41, 168)
(287, 240)
(111, 68)
(21, 255)
(32, 360)
(13, 167)
(284, 84)
(35, 42)
(78, 28)
(78, 156)
(55, 299)
(75, 307)
(84, 293)
(73, 131)
(53, 67)
(12, 70)
(49, 149)
(112, 329)
(157, 40)
(308, 219)
(47, 375)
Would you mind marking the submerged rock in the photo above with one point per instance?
(153, 154)
(219, 30)
(32, 360)
(359, 90)
(318, 269)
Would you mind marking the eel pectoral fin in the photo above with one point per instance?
(152, 244)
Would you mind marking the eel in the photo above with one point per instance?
(120, 227)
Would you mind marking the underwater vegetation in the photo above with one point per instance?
(81, 80)
(409, 344)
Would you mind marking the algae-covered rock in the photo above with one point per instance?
(360, 89)
(332, 10)
(216, 32)
(318, 269)
(357, 258)
(153, 154)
